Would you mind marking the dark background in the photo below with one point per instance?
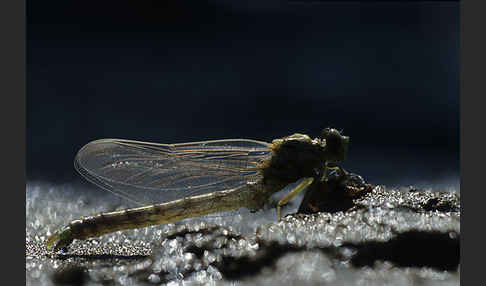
(175, 71)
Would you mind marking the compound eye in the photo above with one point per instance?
(333, 139)
(330, 134)
(325, 133)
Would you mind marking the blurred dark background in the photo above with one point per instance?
(175, 71)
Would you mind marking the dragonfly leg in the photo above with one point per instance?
(343, 172)
(299, 188)
(324, 172)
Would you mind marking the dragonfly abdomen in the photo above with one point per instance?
(173, 211)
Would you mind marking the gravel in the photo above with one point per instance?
(402, 236)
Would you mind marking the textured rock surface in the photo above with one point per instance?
(386, 236)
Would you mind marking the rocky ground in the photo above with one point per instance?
(360, 235)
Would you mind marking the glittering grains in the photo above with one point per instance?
(310, 249)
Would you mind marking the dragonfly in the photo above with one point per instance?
(171, 182)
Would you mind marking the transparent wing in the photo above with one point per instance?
(149, 173)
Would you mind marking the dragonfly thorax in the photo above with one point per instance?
(294, 157)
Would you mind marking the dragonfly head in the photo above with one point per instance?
(335, 144)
